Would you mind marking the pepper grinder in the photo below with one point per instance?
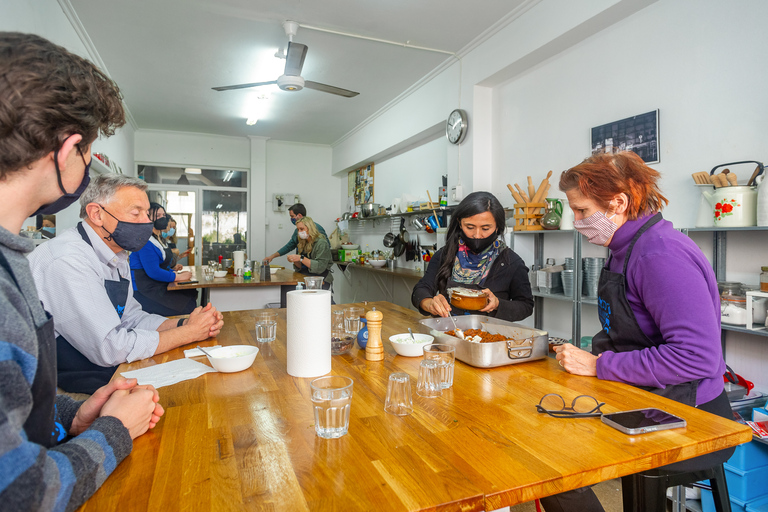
(374, 350)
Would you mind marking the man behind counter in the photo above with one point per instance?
(83, 278)
(297, 212)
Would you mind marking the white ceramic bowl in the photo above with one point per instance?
(220, 273)
(405, 346)
(234, 358)
(350, 247)
(377, 263)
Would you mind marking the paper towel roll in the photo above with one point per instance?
(308, 333)
(239, 257)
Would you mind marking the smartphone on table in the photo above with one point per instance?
(641, 421)
(192, 281)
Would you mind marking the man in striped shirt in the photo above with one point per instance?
(54, 452)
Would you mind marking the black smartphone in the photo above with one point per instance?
(641, 421)
(188, 282)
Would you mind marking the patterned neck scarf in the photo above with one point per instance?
(471, 268)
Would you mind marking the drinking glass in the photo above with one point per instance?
(352, 316)
(208, 272)
(429, 379)
(399, 399)
(266, 326)
(314, 282)
(213, 264)
(444, 356)
(331, 401)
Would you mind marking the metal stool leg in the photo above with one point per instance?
(720, 490)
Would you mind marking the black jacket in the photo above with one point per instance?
(507, 279)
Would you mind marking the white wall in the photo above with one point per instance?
(45, 18)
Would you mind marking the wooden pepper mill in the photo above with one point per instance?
(374, 350)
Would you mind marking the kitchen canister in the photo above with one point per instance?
(732, 207)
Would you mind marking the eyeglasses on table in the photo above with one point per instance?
(583, 406)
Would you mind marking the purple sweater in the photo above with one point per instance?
(672, 291)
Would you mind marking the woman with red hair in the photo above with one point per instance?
(658, 301)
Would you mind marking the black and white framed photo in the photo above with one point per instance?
(638, 133)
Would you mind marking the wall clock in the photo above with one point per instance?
(456, 126)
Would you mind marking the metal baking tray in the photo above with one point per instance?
(525, 345)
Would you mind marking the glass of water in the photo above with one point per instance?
(352, 315)
(266, 326)
(208, 271)
(331, 401)
(444, 356)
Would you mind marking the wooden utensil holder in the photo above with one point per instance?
(529, 216)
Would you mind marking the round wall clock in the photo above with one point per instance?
(456, 126)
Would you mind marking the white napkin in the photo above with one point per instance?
(196, 352)
(166, 374)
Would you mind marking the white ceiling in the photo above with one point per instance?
(166, 55)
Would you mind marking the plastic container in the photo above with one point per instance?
(759, 505)
(745, 485)
(708, 503)
(733, 309)
(764, 279)
(750, 456)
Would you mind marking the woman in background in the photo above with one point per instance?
(170, 238)
(152, 270)
(313, 252)
(476, 257)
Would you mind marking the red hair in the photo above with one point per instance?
(603, 176)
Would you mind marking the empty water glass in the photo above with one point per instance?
(399, 399)
(266, 326)
(352, 316)
(332, 402)
(429, 379)
(444, 356)
(208, 273)
(314, 282)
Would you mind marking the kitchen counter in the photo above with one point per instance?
(397, 271)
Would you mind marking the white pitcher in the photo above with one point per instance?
(732, 207)
(566, 221)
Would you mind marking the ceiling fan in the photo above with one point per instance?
(291, 79)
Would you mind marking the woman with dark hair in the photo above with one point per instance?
(476, 257)
(152, 268)
(658, 301)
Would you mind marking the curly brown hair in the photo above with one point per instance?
(46, 95)
(604, 175)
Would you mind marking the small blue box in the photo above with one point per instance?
(759, 505)
(746, 485)
(708, 503)
(749, 456)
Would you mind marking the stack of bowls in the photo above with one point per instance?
(567, 277)
(591, 268)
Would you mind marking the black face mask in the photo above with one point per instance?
(478, 245)
(131, 236)
(67, 199)
(161, 223)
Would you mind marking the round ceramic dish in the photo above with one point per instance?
(234, 358)
(405, 346)
(220, 273)
(471, 300)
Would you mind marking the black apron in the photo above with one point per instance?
(76, 373)
(621, 333)
(41, 426)
(154, 295)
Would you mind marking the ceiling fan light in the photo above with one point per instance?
(251, 121)
(290, 83)
(193, 170)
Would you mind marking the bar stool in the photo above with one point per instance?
(647, 491)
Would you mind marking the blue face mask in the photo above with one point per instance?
(293, 221)
(169, 233)
(49, 230)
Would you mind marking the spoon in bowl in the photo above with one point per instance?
(203, 351)
(412, 336)
(458, 331)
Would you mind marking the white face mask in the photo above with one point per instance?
(598, 228)
(303, 235)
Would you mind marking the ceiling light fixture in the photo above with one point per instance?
(193, 170)
(251, 121)
(229, 175)
(218, 206)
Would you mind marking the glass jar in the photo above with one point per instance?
(733, 309)
(764, 279)
(730, 288)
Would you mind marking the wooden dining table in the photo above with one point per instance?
(246, 441)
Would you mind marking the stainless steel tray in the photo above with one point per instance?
(525, 345)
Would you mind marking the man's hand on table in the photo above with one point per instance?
(136, 408)
(576, 361)
(94, 406)
(204, 323)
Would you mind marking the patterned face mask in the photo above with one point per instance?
(598, 228)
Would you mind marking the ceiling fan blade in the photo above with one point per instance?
(309, 84)
(243, 86)
(294, 60)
